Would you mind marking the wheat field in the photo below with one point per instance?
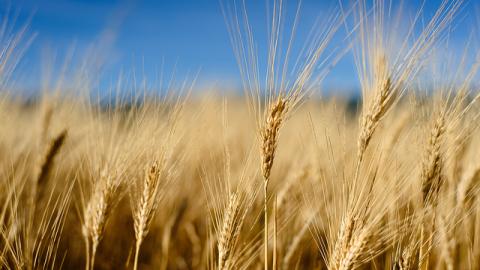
(279, 177)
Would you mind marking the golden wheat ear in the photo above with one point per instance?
(229, 233)
(145, 205)
(47, 160)
(98, 210)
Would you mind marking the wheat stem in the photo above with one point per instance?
(137, 252)
(265, 211)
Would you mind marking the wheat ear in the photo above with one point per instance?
(41, 172)
(97, 212)
(229, 233)
(47, 159)
(371, 118)
(406, 258)
(466, 187)
(146, 206)
(343, 242)
(269, 136)
(431, 179)
(355, 249)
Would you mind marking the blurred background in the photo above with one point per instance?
(156, 41)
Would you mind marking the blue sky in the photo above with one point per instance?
(149, 36)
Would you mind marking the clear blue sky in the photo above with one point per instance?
(187, 34)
